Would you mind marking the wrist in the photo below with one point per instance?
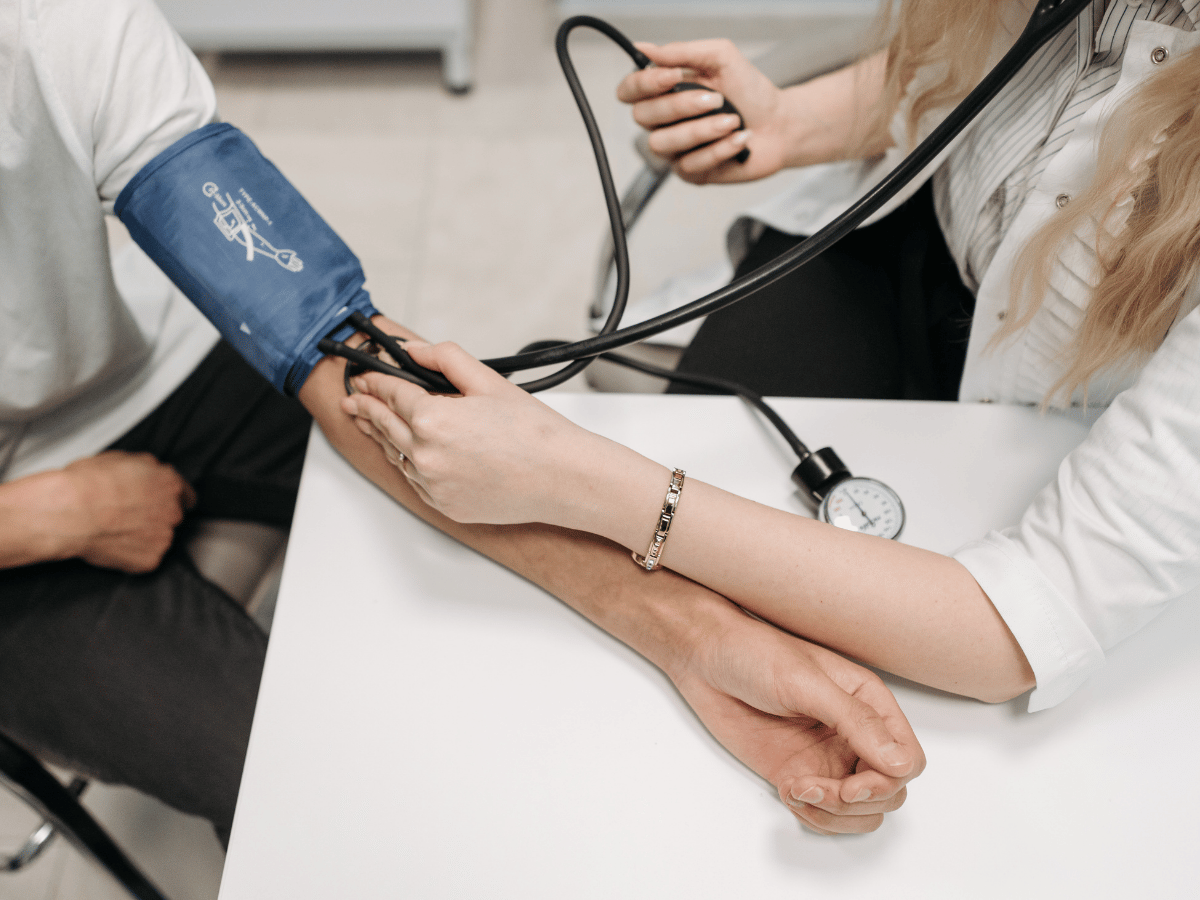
(666, 618)
(33, 523)
(807, 136)
(686, 621)
(611, 491)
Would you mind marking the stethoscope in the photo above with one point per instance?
(852, 502)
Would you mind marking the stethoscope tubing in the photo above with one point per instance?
(1048, 18)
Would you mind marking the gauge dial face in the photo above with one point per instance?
(864, 505)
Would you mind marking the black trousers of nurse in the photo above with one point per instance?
(883, 314)
(150, 680)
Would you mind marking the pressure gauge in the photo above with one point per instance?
(863, 505)
(849, 501)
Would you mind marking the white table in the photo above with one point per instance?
(432, 726)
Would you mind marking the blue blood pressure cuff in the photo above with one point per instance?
(242, 244)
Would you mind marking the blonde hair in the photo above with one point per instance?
(1143, 203)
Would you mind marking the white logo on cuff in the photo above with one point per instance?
(234, 221)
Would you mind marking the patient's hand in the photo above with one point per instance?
(825, 732)
(115, 510)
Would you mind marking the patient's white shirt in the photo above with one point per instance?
(89, 345)
(1116, 537)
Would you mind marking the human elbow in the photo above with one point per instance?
(1003, 683)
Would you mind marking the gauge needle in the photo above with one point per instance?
(870, 521)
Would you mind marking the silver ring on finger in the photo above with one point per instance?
(402, 465)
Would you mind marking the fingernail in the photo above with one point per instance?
(864, 794)
(812, 795)
(893, 754)
(741, 137)
(709, 101)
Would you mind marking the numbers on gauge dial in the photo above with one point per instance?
(864, 505)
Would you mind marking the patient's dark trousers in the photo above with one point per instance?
(882, 314)
(150, 680)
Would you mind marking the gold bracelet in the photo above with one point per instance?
(653, 556)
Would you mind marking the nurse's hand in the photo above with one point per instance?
(493, 454)
(825, 732)
(719, 65)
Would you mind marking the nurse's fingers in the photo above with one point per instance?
(646, 83)
(688, 136)
(467, 373)
(400, 396)
(667, 109)
(389, 427)
(712, 163)
(704, 57)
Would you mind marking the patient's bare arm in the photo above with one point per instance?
(762, 693)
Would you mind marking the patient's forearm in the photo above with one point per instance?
(910, 611)
(915, 613)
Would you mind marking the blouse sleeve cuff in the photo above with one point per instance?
(1060, 648)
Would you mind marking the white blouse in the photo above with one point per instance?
(1116, 537)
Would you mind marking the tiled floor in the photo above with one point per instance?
(478, 218)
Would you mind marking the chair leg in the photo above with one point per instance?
(40, 839)
(29, 780)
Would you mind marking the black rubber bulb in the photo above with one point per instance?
(726, 108)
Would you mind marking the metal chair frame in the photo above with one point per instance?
(59, 805)
(245, 560)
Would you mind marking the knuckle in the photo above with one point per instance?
(419, 457)
(146, 562)
(866, 718)
(690, 165)
(660, 143)
(815, 817)
(644, 115)
(725, 49)
(869, 823)
(438, 424)
(895, 802)
(716, 127)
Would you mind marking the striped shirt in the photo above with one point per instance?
(987, 178)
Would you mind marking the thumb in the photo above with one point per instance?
(467, 373)
(702, 56)
(863, 727)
